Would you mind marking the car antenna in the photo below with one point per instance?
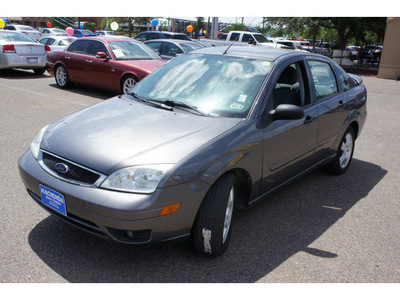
(226, 51)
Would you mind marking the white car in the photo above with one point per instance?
(53, 32)
(20, 51)
(58, 43)
(28, 30)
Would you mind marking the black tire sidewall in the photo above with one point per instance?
(211, 216)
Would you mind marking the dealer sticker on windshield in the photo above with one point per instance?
(53, 199)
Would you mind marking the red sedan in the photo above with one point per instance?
(115, 64)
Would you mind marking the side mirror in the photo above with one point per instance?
(101, 55)
(287, 112)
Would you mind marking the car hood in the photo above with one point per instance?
(150, 64)
(122, 132)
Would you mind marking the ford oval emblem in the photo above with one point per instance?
(62, 168)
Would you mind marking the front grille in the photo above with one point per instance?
(75, 173)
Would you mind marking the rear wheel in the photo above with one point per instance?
(62, 78)
(128, 83)
(344, 154)
(213, 225)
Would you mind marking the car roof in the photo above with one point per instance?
(256, 52)
(109, 39)
(171, 40)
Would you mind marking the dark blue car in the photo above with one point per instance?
(83, 33)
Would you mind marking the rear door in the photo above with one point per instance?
(75, 60)
(330, 99)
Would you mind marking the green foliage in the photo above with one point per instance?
(235, 27)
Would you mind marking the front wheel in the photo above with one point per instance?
(344, 154)
(213, 225)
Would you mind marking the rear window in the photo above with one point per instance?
(28, 28)
(181, 37)
(8, 36)
(190, 46)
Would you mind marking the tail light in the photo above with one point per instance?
(47, 48)
(24, 32)
(85, 36)
(9, 49)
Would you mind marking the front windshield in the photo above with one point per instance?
(261, 38)
(222, 86)
(190, 46)
(132, 50)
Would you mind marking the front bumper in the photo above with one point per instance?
(122, 217)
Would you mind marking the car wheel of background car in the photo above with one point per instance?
(62, 78)
(128, 82)
(344, 154)
(213, 226)
(39, 71)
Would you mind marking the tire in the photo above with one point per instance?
(128, 82)
(213, 225)
(62, 78)
(344, 154)
(39, 71)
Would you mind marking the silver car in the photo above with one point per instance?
(211, 131)
(53, 32)
(25, 29)
(57, 43)
(18, 50)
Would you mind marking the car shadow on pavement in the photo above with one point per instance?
(21, 74)
(87, 91)
(263, 237)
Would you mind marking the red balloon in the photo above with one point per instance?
(48, 24)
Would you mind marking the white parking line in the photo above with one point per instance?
(40, 94)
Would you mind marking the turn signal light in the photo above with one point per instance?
(170, 209)
(9, 49)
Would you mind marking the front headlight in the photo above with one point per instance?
(35, 145)
(139, 179)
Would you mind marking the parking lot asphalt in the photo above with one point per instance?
(322, 228)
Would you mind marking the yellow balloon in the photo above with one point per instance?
(205, 31)
(2, 23)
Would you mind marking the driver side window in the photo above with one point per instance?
(290, 87)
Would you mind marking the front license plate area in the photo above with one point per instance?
(53, 199)
(32, 60)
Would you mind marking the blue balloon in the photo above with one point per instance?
(154, 22)
(82, 26)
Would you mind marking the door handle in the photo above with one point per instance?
(308, 120)
(88, 61)
(67, 57)
(341, 104)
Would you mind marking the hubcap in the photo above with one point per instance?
(346, 150)
(61, 76)
(128, 84)
(228, 215)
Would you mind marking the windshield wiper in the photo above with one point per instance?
(172, 103)
(153, 103)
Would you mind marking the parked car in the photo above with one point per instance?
(83, 33)
(57, 42)
(168, 49)
(53, 32)
(114, 64)
(104, 32)
(354, 52)
(210, 131)
(156, 35)
(20, 51)
(203, 43)
(28, 30)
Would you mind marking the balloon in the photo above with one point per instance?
(69, 30)
(2, 23)
(48, 24)
(189, 28)
(205, 31)
(200, 33)
(82, 26)
(114, 25)
(154, 22)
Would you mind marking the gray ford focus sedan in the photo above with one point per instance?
(209, 132)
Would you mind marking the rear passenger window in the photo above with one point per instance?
(234, 36)
(324, 79)
(78, 47)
